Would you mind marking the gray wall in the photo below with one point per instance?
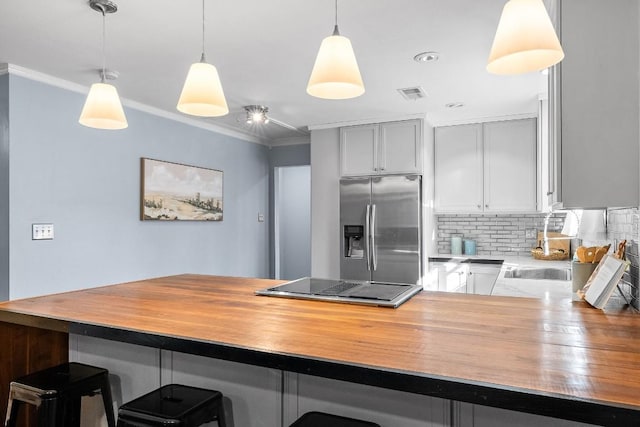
(286, 155)
(87, 182)
(290, 155)
(4, 187)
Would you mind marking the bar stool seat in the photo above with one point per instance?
(173, 405)
(321, 419)
(57, 393)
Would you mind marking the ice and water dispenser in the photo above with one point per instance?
(353, 241)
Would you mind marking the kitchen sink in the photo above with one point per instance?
(537, 273)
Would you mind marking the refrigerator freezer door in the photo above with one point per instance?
(396, 229)
(355, 197)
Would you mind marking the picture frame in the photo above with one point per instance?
(172, 191)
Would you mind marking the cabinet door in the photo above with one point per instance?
(358, 150)
(599, 104)
(400, 147)
(482, 279)
(451, 277)
(458, 168)
(510, 166)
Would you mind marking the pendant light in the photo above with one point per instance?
(335, 74)
(102, 108)
(202, 93)
(525, 39)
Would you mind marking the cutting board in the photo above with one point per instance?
(555, 244)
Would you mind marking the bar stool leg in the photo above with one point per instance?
(71, 412)
(105, 391)
(12, 412)
(47, 413)
(222, 421)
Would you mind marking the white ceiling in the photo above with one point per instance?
(264, 52)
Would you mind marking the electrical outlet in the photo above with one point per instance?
(41, 231)
(530, 233)
(260, 217)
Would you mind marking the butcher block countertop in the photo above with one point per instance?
(561, 359)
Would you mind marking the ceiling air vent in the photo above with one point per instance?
(412, 93)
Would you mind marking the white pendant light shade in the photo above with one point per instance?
(202, 93)
(525, 40)
(335, 74)
(102, 109)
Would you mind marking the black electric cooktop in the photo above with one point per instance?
(346, 291)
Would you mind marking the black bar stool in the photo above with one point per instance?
(57, 393)
(173, 405)
(321, 419)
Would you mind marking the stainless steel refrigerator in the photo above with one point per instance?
(380, 226)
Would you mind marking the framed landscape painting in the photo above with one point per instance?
(177, 192)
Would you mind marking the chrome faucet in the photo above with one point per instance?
(545, 238)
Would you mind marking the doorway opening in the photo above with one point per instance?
(292, 222)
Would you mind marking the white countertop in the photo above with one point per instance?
(532, 288)
(511, 260)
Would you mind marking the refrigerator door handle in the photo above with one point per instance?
(367, 232)
(372, 230)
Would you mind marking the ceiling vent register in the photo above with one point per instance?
(412, 93)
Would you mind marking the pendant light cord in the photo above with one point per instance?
(202, 59)
(335, 28)
(104, 49)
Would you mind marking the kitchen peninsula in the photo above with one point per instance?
(564, 360)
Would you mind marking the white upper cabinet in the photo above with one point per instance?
(386, 148)
(486, 167)
(458, 168)
(510, 166)
(599, 103)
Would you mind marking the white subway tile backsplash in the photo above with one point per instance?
(507, 235)
(495, 234)
(622, 224)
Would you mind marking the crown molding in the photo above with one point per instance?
(484, 119)
(296, 140)
(367, 121)
(27, 73)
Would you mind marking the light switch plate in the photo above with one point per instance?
(41, 231)
(260, 217)
(530, 233)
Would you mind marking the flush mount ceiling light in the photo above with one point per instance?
(102, 108)
(335, 74)
(257, 114)
(202, 93)
(426, 57)
(525, 40)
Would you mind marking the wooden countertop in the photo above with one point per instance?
(561, 359)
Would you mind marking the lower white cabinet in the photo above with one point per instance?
(482, 278)
(467, 278)
(448, 277)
